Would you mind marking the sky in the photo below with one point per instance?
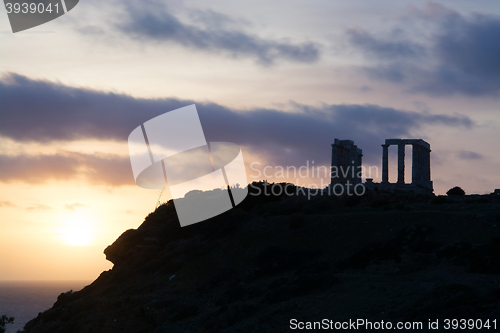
(281, 79)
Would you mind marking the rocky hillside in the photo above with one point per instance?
(273, 259)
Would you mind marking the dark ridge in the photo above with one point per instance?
(390, 257)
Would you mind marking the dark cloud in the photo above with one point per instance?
(469, 54)
(462, 56)
(384, 49)
(396, 73)
(469, 155)
(44, 111)
(213, 32)
(213, 20)
(111, 170)
(366, 89)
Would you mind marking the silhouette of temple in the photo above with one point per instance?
(346, 156)
(346, 162)
(421, 162)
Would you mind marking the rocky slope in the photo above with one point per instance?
(273, 259)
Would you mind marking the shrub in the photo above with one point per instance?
(455, 191)
(4, 320)
(439, 200)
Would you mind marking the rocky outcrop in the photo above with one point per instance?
(272, 259)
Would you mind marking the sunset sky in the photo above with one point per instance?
(282, 79)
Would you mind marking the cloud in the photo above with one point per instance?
(7, 204)
(44, 111)
(384, 49)
(110, 170)
(213, 20)
(49, 112)
(365, 89)
(461, 56)
(38, 207)
(469, 155)
(74, 206)
(213, 32)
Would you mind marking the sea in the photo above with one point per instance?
(23, 300)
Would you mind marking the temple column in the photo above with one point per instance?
(424, 164)
(353, 159)
(401, 163)
(427, 168)
(414, 165)
(335, 163)
(385, 163)
(359, 167)
(429, 181)
(342, 164)
(421, 165)
(418, 165)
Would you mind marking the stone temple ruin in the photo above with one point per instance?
(346, 154)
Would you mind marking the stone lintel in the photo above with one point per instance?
(392, 141)
(419, 142)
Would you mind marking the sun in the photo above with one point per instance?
(76, 236)
(76, 231)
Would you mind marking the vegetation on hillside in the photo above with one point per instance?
(4, 320)
(276, 257)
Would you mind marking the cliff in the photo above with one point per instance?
(273, 259)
